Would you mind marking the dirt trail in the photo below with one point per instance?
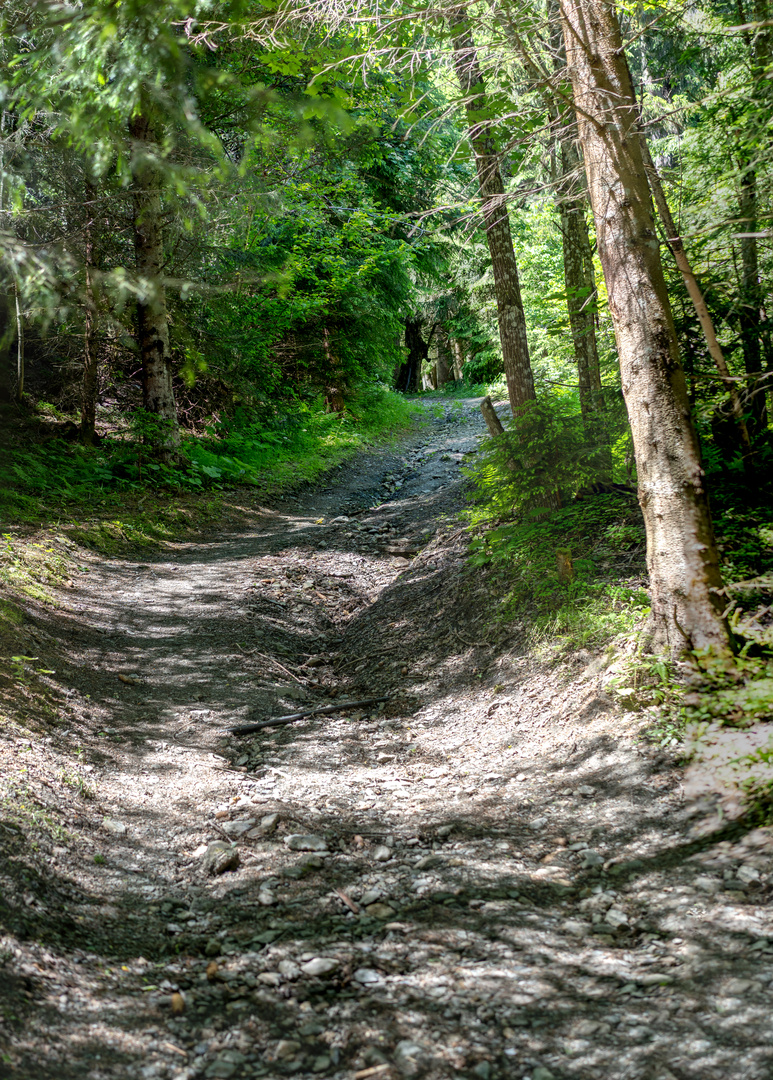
(486, 876)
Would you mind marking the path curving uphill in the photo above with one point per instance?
(484, 875)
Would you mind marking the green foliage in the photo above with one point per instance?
(548, 451)
(605, 597)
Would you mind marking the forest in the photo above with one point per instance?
(477, 290)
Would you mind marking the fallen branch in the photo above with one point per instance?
(247, 729)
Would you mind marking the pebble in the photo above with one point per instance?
(483, 1070)
(367, 976)
(305, 842)
(117, 828)
(586, 790)
(220, 857)
(286, 1048)
(380, 911)
(238, 827)
(615, 917)
(592, 858)
(541, 1073)
(538, 823)
(319, 966)
(382, 853)
(289, 969)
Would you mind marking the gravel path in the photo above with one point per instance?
(485, 875)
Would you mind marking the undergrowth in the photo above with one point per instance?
(116, 496)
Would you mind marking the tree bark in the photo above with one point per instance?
(750, 291)
(685, 583)
(7, 335)
(19, 347)
(90, 372)
(579, 282)
(510, 314)
(444, 359)
(152, 325)
(674, 241)
(493, 423)
(409, 375)
(458, 350)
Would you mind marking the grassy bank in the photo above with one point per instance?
(116, 494)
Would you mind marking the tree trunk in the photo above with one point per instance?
(152, 326)
(89, 399)
(512, 322)
(7, 334)
(19, 347)
(750, 291)
(674, 241)
(409, 375)
(444, 359)
(493, 423)
(458, 350)
(579, 282)
(685, 582)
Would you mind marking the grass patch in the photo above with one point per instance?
(601, 538)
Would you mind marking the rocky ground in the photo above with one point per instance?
(487, 873)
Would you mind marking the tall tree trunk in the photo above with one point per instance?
(19, 346)
(444, 359)
(685, 582)
(458, 350)
(750, 292)
(7, 334)
(409, 375)
(512, 322)
(89, 388)
(579, 281)
(152, 326)
(674, 241)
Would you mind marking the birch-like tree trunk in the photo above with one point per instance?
(510, 315)
(152, 325)
(685, 583)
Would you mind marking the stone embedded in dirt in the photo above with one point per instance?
(380, 911)
(319, 966)
(615, 917)
(541, 1073)
(381, 853)
(117, 828)
(370, 896)
(538, 823)
(748, 874)
(367, 976)
(586, 790)
(305, 842)
(445, 830)
(270, 978)
(220, 857)
(289, 969)
(266, 898)
(286, 1048)
(592, 858)
(225, 1065)
(321, 1063)
(238, 827)
(213, 947)
(483, 1070)
(429, 862)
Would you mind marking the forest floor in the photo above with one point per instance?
(488, 874)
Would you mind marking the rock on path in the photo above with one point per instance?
(486, 876)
